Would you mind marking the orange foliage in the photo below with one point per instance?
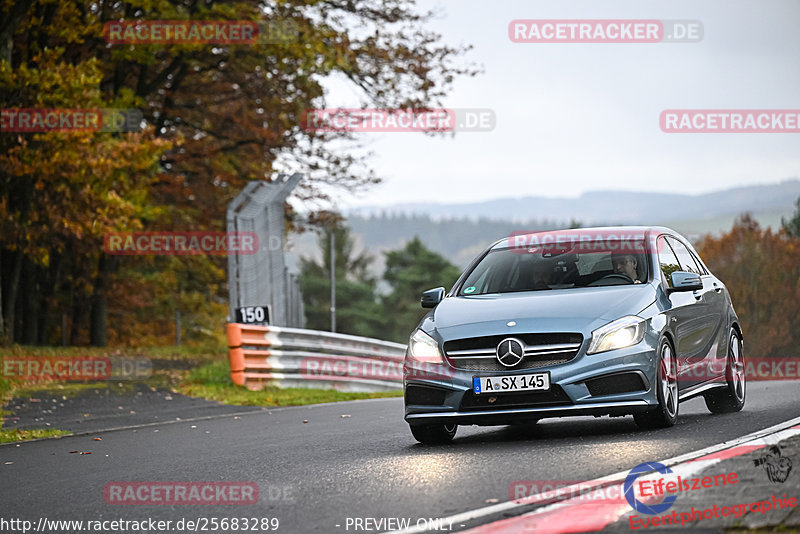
(761, 269)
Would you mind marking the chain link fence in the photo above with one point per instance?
(262, 280)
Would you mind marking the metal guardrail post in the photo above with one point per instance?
(235, 353)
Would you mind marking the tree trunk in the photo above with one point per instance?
(47, 295)
(11, 297)
(2, 323)
(29, 303)
(8, 28)
(78, 314)
(18, 314)
(98, 331)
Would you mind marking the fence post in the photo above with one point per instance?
(259, 279)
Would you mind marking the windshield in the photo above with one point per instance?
(509, 270)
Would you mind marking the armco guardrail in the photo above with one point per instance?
(295, 357)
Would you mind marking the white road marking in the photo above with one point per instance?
(608, 480)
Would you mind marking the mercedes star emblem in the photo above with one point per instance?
(510, 352)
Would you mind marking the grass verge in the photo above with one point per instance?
(203, 373)
(20, 387)
(164, 353)
(15, 434)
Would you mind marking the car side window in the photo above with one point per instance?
(699, 262)
(667, 260)
(685, 257)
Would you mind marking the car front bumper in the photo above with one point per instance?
(588, 385)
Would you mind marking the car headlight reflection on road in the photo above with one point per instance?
(423, 348)
(617, 334)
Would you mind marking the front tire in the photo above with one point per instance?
(731, 398)
(438, 434)
(666, 413)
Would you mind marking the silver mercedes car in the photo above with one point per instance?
(594, 321)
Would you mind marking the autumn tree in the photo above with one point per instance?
(60, 192)
(216, 116)
(792, 225)
(761, 270)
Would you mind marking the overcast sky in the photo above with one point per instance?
(574, 117)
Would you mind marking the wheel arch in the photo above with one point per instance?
(670, 336)
(735, 326)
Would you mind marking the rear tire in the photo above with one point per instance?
(434, 434)
(666, 413)
(732, 397)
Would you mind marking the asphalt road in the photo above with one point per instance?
(105, 408)
(315, 475)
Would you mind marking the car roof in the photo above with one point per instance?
(645, 230)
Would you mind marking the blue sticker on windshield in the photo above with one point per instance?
(469, 289)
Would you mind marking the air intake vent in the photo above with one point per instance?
(425, 395)
(486, 401)
(616, 383)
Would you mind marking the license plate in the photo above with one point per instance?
(499, 384)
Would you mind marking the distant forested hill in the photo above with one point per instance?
(460, 231)
(617, 207)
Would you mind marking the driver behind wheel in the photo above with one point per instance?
(626, 264)
(542, 274)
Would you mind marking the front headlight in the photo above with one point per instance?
(617, 334)
(423, 348)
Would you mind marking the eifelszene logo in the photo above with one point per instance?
(630, 496)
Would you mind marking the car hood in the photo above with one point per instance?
(567, 310)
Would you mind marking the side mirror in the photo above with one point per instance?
(432, 297)
(683, 281)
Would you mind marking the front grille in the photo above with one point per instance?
(521, 399)
(616, 383)
(541, 350)
(468, 364)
